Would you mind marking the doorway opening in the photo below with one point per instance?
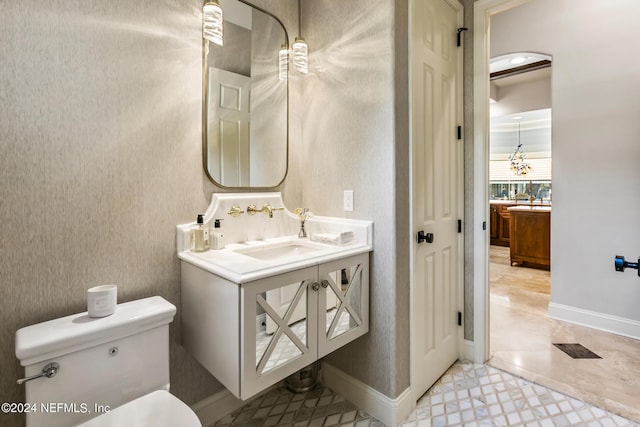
(520, 199)
(604, 382)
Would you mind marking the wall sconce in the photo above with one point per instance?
(212, 21)
(300, 49)
(301, 55)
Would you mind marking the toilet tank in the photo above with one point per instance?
(104, 362)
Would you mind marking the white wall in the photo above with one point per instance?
(596, 149)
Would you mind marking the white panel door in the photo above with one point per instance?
(228, 128)
(436, 189)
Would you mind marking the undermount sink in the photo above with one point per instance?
(281, 250)
(257, 247)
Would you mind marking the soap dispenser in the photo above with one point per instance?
(217, 238)
(199, 237)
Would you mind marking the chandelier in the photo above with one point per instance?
(518, 165)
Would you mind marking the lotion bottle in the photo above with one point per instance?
(199, 236)
(217, 238)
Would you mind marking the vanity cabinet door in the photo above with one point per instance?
(343, 304)
(290, 342)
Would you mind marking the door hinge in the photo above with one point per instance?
(459, 318)
(459, 132)
(484, 225)
(459, 35)
(459, 226)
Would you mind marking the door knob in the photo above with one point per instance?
(422, 237)
(620, 264)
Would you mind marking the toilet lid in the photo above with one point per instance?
(158, 409)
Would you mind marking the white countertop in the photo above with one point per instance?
(232, 265)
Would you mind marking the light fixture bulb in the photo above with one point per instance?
(301, 55)
(283, 62)
(212, 21)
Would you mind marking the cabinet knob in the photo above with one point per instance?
(325, 284)
(315, 286)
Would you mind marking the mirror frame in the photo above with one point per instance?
(205, 101)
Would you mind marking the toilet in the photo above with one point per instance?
(111, 371)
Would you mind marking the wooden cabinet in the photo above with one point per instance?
(253, 335)
(499, 226)
(530, 236)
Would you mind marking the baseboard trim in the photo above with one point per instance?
(211, 409)
(390, 411)
(468, 351)
(593, 319)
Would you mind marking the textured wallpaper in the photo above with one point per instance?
(349, 136)
(100, 158)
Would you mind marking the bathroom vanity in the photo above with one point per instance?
(270, 302)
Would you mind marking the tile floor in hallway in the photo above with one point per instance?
(522, 337)
(467, 395)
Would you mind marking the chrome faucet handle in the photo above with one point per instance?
(48, 371)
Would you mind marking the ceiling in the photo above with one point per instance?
(530, 76)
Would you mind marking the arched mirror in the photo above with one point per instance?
(245, 100)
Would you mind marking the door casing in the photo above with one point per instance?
(482, 12)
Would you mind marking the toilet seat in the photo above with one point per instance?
(156, 409)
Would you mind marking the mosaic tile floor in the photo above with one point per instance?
(479, 395)
(467, 395)
(316, 408)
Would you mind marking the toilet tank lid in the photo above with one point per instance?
(57, 337)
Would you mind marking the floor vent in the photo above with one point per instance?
(577, 351)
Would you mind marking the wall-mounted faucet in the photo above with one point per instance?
(266, 209)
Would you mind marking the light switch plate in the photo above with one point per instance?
(348, 200)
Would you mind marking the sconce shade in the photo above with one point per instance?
(212, 22)
(301, 55)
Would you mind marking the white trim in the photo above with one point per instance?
(483, 9)
(212, 408)
(468, 350)
(593, 319)
(390, 411)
